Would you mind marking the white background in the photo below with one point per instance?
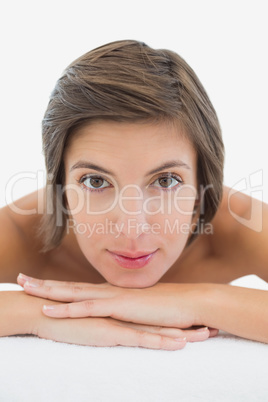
(225, 42)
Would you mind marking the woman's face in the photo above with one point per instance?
(131, 191)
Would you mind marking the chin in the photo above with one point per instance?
(133, 283)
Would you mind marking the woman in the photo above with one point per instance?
(135, 235)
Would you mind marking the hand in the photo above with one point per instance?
(25, 317)
(165, 305)
(93, 331)
(109, 332)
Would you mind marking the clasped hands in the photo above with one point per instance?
(168, 310)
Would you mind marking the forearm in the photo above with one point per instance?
(240, 311)
(19, 312)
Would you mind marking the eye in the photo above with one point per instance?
(93, 183)
(168, 181)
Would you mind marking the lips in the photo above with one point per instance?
(132, 260)
(130, 254)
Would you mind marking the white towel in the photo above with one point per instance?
(224, 368)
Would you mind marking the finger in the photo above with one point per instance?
(131, 337)
(213, 332)
(120, 308)
(22, 279)
(114, 309)
(100, 308)
(73, 292)
(85, 308)
(191, 335)
(103, 332)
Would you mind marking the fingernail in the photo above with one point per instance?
(180, 339)
(31, 284)
(21, 276)
(202, 329)
(48, 307)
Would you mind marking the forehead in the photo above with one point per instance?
(138, 142)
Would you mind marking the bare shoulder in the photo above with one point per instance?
(236, 246)
(241, 233)
(20, 246)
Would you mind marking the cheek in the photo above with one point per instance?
(87, 224)
(184, 200)
(91, 236)
(174, 213)
(89, 228)
(174, 229)
(83, 200)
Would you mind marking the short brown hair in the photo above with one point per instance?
(128, 81)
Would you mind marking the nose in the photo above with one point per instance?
(131, 220)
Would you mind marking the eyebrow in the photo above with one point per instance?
(165, 165)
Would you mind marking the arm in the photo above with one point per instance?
(240, 311)
(12, 319)
(18, 313)
(239, 248)
(21, 314)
